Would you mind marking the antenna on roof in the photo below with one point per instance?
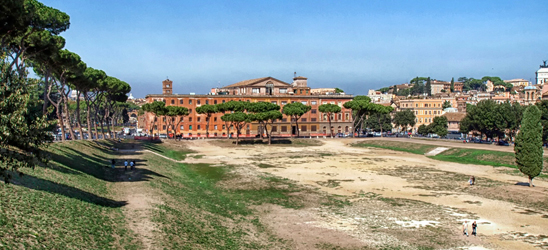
(295, 74)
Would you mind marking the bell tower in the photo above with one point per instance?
(167, 87)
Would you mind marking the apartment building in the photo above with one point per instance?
(266, 89)
(425, 110)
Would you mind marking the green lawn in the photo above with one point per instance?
(458, 155)
(65, 206)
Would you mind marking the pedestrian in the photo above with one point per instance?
(125, 165)
(470, 181)
(113, 163)
(473, 180)
(132, 164)
(474, 226)
(465, 228)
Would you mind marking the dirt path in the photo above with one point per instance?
(361, 170)
(141, 198)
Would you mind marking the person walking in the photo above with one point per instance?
(465, 228)
(113, 165)
(474, 227)
(132, 164)
(125, 165)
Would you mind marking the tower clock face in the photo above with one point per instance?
(167, 85)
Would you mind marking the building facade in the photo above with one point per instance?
(266, 89)
(425, 110)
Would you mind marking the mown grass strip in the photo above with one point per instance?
(414, 148)
(178, 154)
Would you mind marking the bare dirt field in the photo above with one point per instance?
(392, 198)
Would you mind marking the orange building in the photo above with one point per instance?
(265, 89)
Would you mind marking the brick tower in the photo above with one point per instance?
(167, 87)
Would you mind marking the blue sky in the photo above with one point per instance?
(353, 45)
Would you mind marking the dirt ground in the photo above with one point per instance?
(395, 198)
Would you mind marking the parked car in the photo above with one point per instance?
(503, 143)
(163, 136)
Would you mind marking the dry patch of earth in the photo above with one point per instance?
(383, 198)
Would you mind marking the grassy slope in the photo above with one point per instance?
(67, 205)
(458, 155)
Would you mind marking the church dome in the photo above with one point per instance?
(530, 87)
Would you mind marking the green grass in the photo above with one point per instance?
(458, 155)
(178, 154)
(414, 148)
(66, 206)
(201, 214)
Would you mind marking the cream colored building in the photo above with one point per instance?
(518, 82)
(542, 74)
(425, 110)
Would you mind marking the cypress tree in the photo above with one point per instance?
(395, 90)
(428, 87)
(528, 146)
(452, 84)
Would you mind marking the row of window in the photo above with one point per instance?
(304, 128)
(427, 112)
(426, 105)
(198, 102)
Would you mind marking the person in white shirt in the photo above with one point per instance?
(132, 164)
(465, 228)
(125, 164)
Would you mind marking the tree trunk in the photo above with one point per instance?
(78, 115)
(291, 125)
(297, 127)
(65, 104)
(531, 182)
(330, 128)
(207, 127)
(46, 87)
(61, 123)
(88, 122)
(380, 125)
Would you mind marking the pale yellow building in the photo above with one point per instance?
(425, 110)
(518, 82)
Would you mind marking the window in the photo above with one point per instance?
(223, 101)
(199, 127)
(190, 111)
(312, 119)
(214, 119)
(182, 118)
(207, 101)
(181, 101)
(155, 119)
(199, 119)
(255, 90)
(214, 101)
(417, 105)
(274, 102)
(197, 102)
(313, 128)
(301, 91)
(313, 102)
(189, 127)
(155, 127)
(324, 102)
(340, 117)
(172, 101)
(164, 119)
(164, 127)
(284, 119)
(313, 111)
(190, 119)
(303, 128)
(284, 102)
(182, 127)
(347, 116)
(215, 127)
(224, 126)
(284, 128)
(274, 128)
(303, 119)
(304, 102)
(283, 90)
(189, 101)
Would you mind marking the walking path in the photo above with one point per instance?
(140, 198)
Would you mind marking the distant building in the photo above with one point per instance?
(542, 74)
(378, 97)
(518, 82)
(425, 110)
(265, 89)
